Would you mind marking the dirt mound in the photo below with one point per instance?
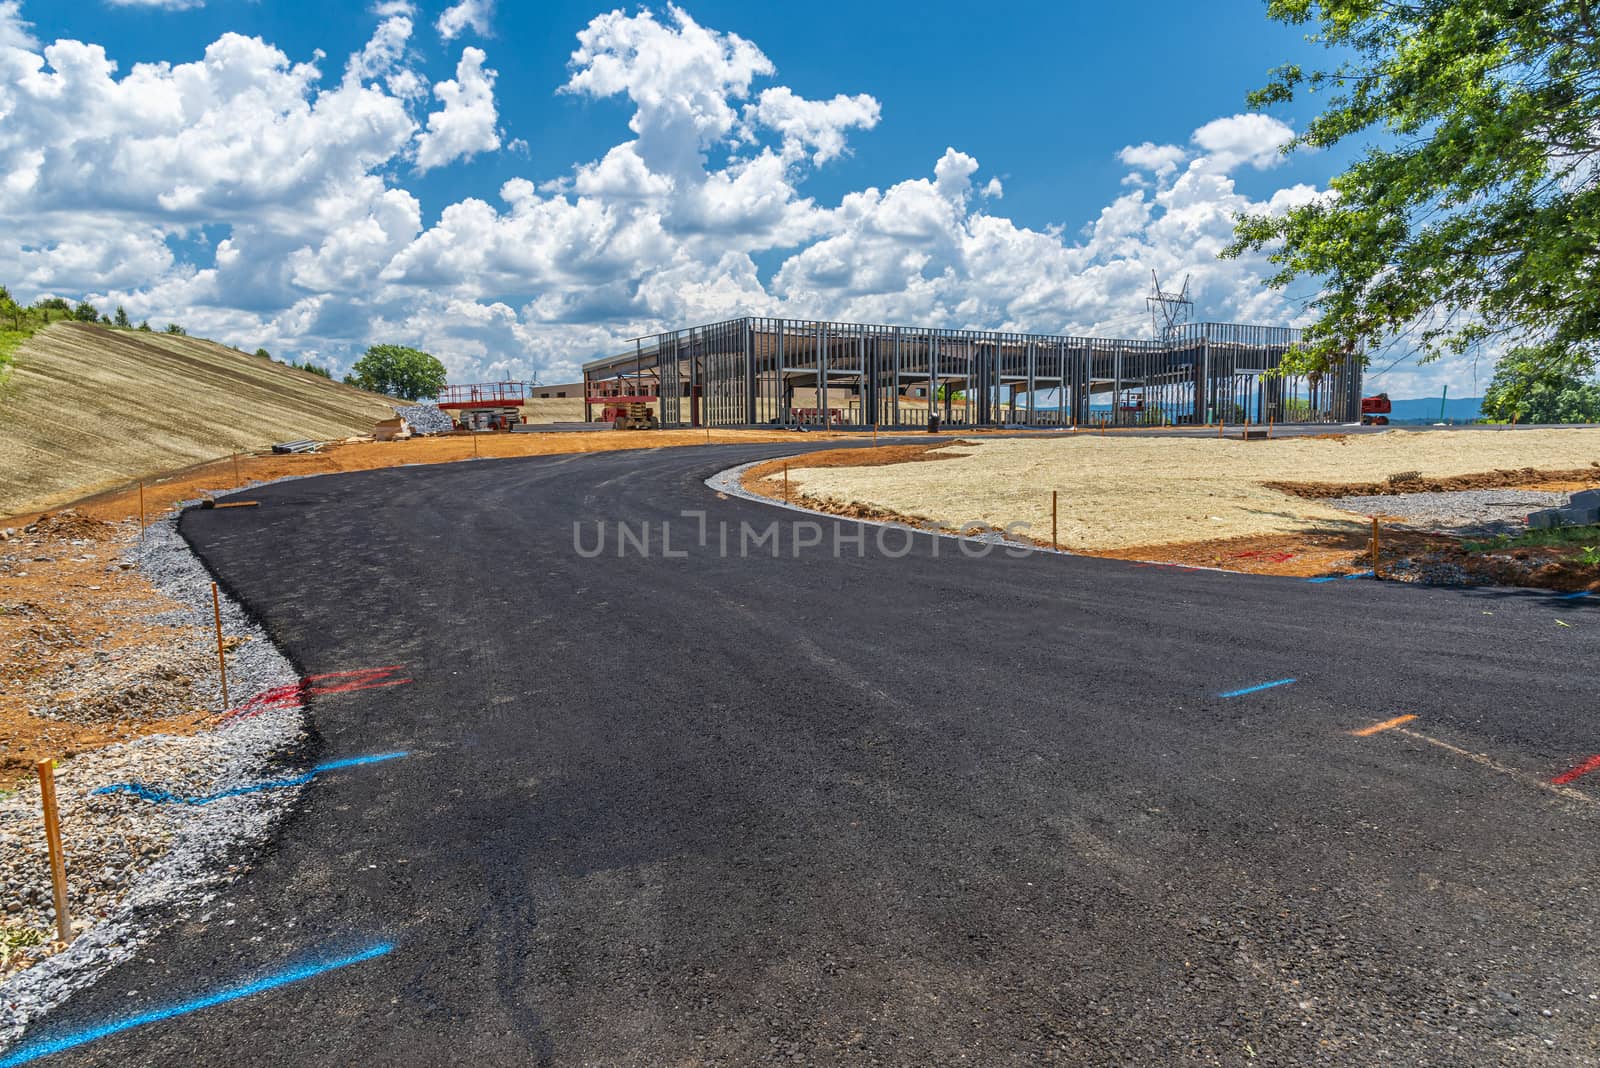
(71, 525)
(86, 408)
(1415, 482)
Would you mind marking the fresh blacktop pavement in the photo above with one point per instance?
(859, 795)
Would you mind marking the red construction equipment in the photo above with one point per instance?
(634, 415)
(1375, 410)
(485, 405)
(813, 417)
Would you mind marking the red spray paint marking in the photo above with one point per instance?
(293, 695)
(1592, 764)
(368, 679)
(1254, 554)
(271, 700)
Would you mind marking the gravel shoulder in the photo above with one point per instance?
(133, 865)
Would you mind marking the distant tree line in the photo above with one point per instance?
(25, 319)
(1530, 389)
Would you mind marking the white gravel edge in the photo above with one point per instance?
(208, 836)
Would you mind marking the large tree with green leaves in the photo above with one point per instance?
(1526, 391)
(399, 371)
(1473, 213)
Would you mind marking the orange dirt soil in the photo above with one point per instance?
(1315, 552)
(1562, 481)
(68, 626)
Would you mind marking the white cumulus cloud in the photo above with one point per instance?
(465, 125)
(474, 15)
(15, 32)
(1252, 139)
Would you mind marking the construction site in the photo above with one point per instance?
(307, 674)
(787, 372)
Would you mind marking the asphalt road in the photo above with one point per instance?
(901, 807)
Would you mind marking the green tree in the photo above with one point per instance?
(10, 309)
(311, 368)
(86, 312)
(1524, 390)
(145, 327)
(122, 317)
(1474, 209)
(264, 354)
(174, 328)
(407, 373)
(47, 305)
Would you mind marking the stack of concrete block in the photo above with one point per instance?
(1581, 510)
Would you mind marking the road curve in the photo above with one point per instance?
(891, 806)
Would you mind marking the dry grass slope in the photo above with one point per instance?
(86, 408)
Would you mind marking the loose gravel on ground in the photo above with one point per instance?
(134, 866)
(1469, 513)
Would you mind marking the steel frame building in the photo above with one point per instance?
(757, 371)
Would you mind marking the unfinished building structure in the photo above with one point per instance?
(757, 371)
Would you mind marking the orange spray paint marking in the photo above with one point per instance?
(1386, 725)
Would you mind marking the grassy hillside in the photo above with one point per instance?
(84, 408)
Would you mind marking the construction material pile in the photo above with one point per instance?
(391, 430)
(67, 524)
(1583, 510)
(426, 419)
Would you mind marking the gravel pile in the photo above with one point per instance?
(426, 419)
(1428, 571)
(70, 524)
(1471, 513)
(134, 866)
(139, 683)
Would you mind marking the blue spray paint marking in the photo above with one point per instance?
(1256, 689)
(162, 797)
(1574, 596)
(1336, 578)
(34, 1050)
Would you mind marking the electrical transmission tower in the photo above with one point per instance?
(1168, 311)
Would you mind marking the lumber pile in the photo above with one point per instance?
(397, 429)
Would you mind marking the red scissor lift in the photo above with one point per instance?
(485, 405)
(625, 401)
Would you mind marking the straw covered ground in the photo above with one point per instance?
(1122, 491)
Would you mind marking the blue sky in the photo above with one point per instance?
(970, 170)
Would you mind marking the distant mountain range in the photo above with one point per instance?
(1410, 410)
(1426, 409)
